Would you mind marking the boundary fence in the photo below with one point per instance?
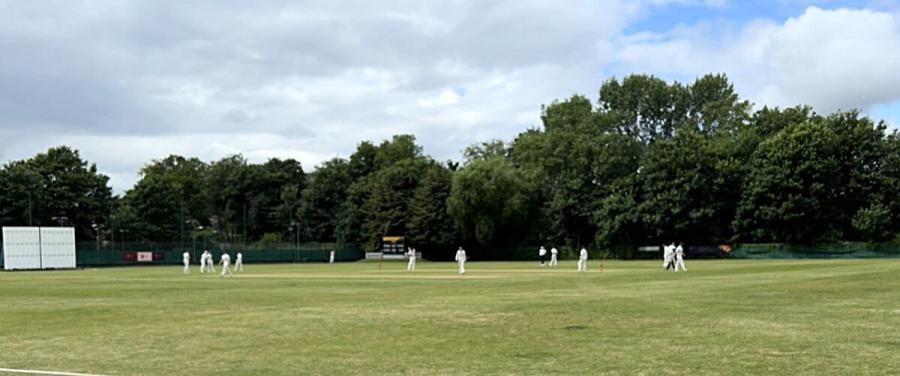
(847, 250)
(90, 254)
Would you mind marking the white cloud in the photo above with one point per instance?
(126, 82)
(445, 98)
(831, 59)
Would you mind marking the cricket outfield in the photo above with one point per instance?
(720, 317)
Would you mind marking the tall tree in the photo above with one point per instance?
(55, 187)
(429, 222)
(387, 208)
(325, 191)
(645, 107)
(490, 200)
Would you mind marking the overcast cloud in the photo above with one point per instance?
(126, 82)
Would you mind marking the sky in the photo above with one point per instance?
(127, 82)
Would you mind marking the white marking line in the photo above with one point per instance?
(35, 372)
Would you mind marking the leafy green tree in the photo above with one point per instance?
(387, 208)
(362, 162)
(325, 191)
(679, 190)
(645, 108)
(399, 148)
(429, 223)
(57, 183)
(485, 150)
(225, 184)
(787, 194)
(490, 200)
(874, 222)
(264, 188)
(715, 106)
(573, 162)
(575, 114)
(378, 199)
(151, 210)
(168, 201)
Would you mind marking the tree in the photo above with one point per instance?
(57, 183)
(575, 114)
(788, 192)
(679, 190)
(715, 106)
(485, 150)
(325, 192)
(429, 223)
(645, 108)
(168, 201)
(387, 209)
(225, 184)
(151, 210)
(399, 148)
(489, 200)
(265, 187)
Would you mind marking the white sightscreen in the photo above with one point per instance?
(21, 248)
(57, 247)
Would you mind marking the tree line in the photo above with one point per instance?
(648, 162)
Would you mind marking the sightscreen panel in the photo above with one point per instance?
(57, 247)
(21, 248)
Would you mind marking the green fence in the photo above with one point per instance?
(823, 251)
(93, 254)
(108, 254)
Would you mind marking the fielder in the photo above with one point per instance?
(461, 260)
(582, 260)
(239, 263)
(668, 255)
(225, 260)
(541, 254)
(210, 263)
(412, 259)
(679, 258)
(203, 262)
(186, 258)
(553, 253)
(331, 258)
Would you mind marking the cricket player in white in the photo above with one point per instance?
(668, 254)
(331, 258)
(553, 253)
(582, 260)
(541, 254)
(210, 263)
(239, 263)
(679, 258)
(225, 260)
(461, 260)
(203, 262)
(186, 258)
(412, 259)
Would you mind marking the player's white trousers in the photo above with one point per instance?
(679, 262)
(412, 264)
(225, 270)
(202, 266)
(462, 267)
(553, 260)
(582, 265)
(239, 266)
(187, 267)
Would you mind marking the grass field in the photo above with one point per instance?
(720, 317)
